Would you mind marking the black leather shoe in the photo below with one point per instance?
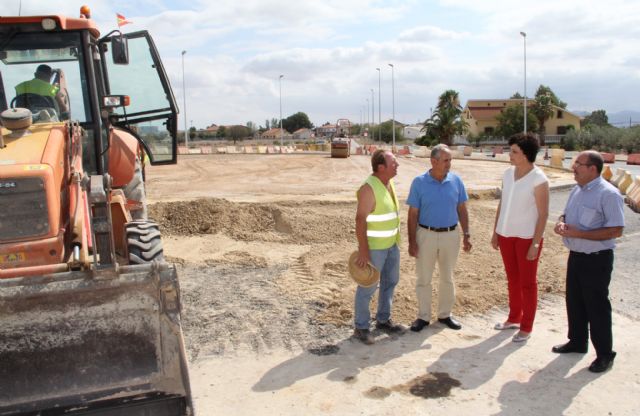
(569, 347)
(603, 363)
(418, 325)
(364, 335)
(391, 327)
(450, 322)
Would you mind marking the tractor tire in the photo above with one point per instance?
(135, 191)
(144, 242)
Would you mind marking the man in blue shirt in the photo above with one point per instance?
(592, 220)
(437, 202)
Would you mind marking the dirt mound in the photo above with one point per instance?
(296, 252)
(287, 222)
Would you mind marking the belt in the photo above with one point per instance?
(439, 229)
(595, 253)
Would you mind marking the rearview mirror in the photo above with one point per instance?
(119, 50)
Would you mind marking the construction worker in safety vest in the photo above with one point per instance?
(378, 233)
(41, 85)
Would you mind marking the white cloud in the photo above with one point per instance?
(328, 51)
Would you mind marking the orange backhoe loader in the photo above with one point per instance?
(89, 309)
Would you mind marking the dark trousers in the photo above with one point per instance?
(587, 297)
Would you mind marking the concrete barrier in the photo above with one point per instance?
(608, 157)
(262, 149)
(503, 157)
(607, 173)
(467, 150)
(617, 177)
(422, 151)
(557, 157)
(633, 198)
(625, 182)
(632, 189)
(183, 150)
(221, 150)
(195, 151)
(206, 150)
(633, 159)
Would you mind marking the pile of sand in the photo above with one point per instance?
(322, 236)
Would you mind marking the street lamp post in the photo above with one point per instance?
(368, 114)
(281, 132)
(393, 109)
(184, 103)
(379, 106)
(373, 109)
(524, 36)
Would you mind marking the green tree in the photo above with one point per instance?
(192, 132)
(630, 140)
(517, 96)
(446, 120)
(238, 133)
(386, 130)
(296, 121)
(543, 108)
(511, 121)
(596, 118)
(222, 132)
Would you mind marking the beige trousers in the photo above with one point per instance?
(441, 248)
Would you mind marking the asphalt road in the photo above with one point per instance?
(625, 286)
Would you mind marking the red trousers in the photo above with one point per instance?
(522, 280)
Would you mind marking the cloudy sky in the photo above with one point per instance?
(328, 52)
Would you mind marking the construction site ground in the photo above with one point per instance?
(261, 243)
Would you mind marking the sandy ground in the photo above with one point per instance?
(261, 242)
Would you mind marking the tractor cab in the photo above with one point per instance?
(63, 71)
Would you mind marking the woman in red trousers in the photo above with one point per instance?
(519, 227)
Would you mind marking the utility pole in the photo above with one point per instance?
(524, 36)
(379, 106)
(393, 106)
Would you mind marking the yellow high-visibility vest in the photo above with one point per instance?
(383, 224)
(37, 86)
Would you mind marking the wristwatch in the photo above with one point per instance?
(536, 245)
(467, 235)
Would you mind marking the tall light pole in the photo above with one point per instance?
(281, 132)
(373, 109)
(524, 36)
(184, 103)
(379, 106)
(393, 109)
(368, 113)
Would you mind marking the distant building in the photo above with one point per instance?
(273, 134)
(412, 132)
(481, 116)
(303, 134)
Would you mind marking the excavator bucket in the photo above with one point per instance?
(110, 340)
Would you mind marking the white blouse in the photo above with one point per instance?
(518, 210)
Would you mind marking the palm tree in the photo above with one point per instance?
(445, 122)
